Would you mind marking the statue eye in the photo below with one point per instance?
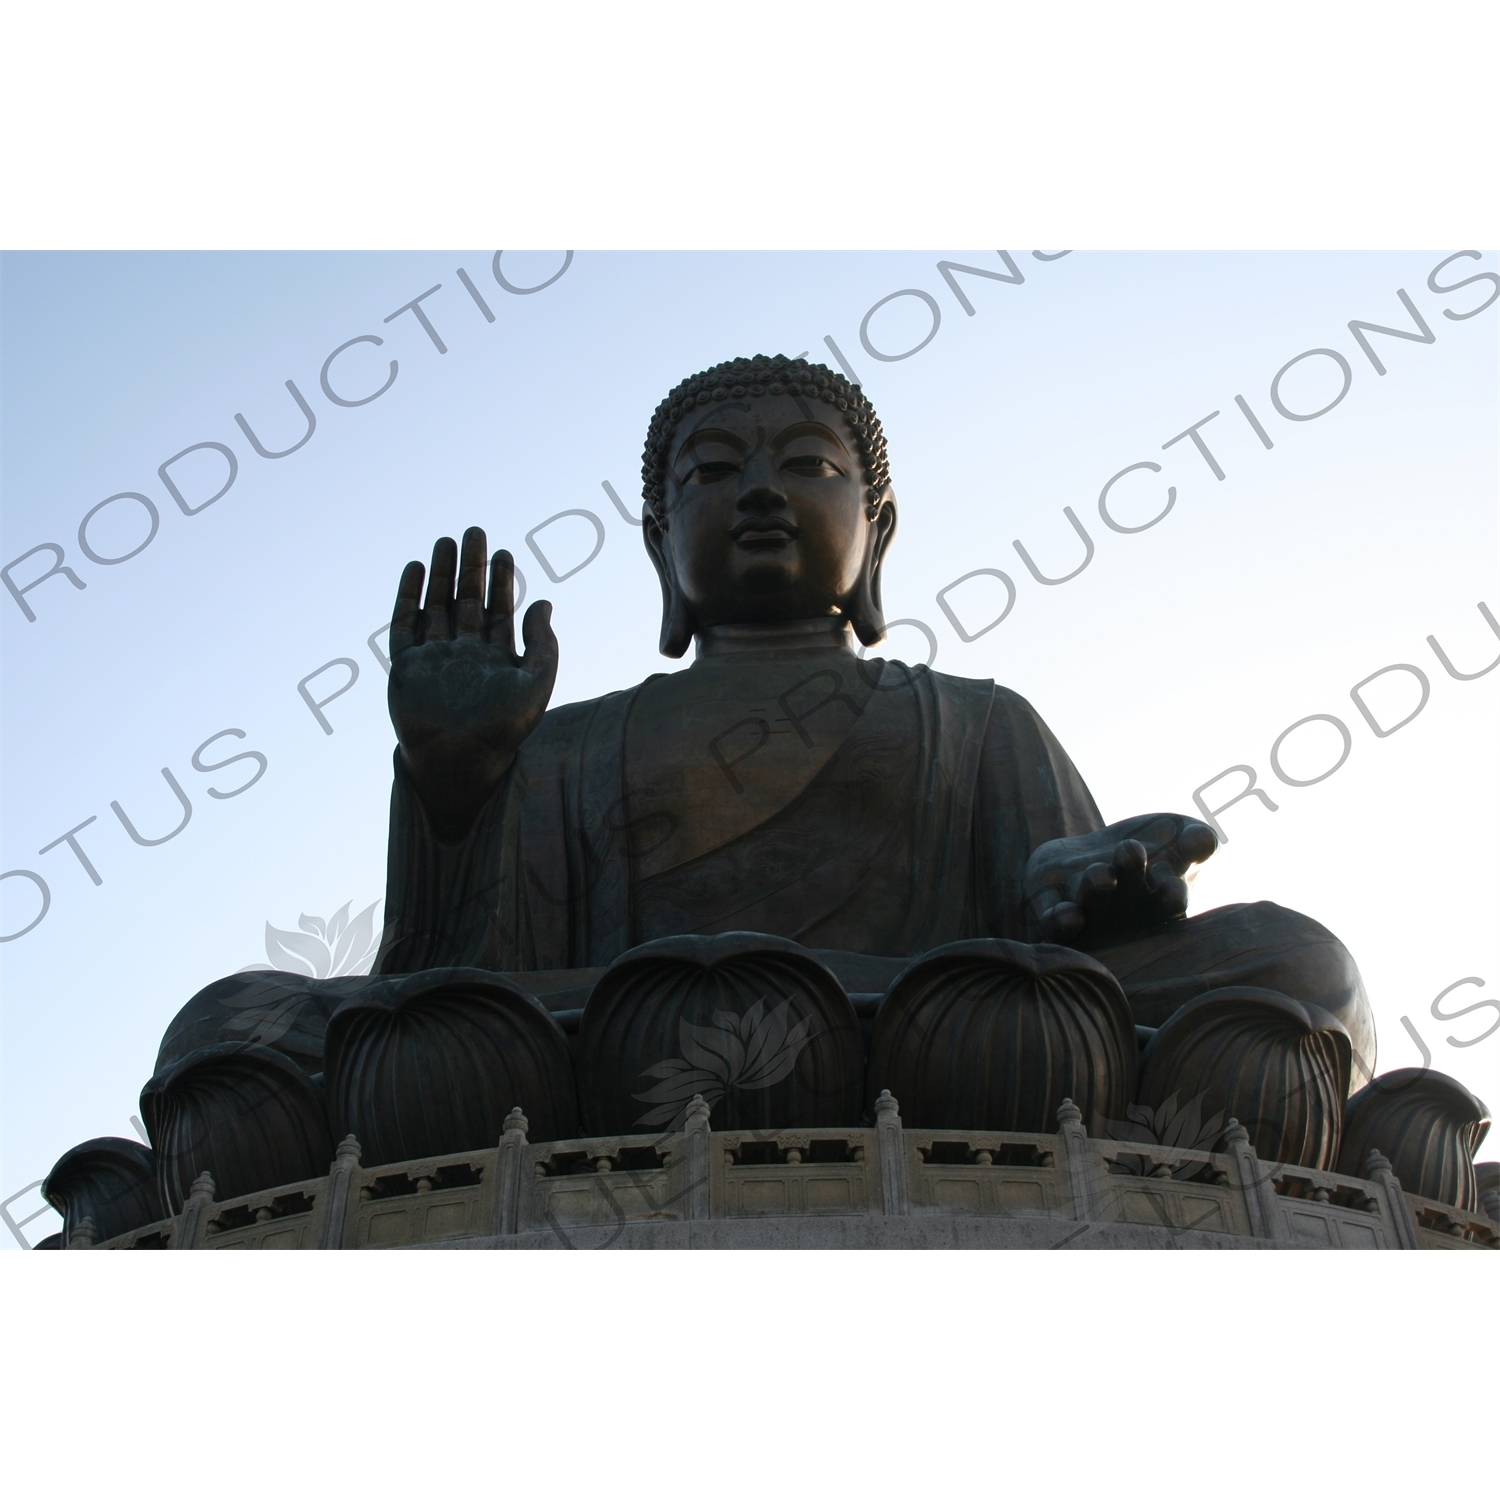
(712, 472)
(812, 466)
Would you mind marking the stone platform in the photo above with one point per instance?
(883, 1187)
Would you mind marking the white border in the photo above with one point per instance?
(789, 124)
(805, 125)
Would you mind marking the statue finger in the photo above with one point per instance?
(1129, 862)
(1170, 895)
(1040, 902)
(1064, 923)
(406, 618)
(1193, 844)
(469, 613)
(440, 589)
(541, 645)
(501, 616)
(1094, 886)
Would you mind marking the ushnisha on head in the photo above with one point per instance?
(767, 500)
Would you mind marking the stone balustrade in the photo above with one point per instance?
(834, 1187)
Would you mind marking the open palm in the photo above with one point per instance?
(461, 699)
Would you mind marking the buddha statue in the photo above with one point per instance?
(781, 784)
(783, 889)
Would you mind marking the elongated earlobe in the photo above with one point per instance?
(865, 614)
(864, 610)
(677, 622)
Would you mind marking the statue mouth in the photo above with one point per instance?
(759, 535)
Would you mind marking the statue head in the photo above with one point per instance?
(767, 500)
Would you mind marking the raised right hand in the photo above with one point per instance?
(461, 699)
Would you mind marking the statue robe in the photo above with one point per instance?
(913, 831)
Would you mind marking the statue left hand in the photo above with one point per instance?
(1117, 883)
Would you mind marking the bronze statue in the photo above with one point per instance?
(780, 784)
(780, 890)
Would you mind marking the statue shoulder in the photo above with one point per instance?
(1008, 701)
(1016, 741)
(975, 693)
(960, 687)
(967, 690)
(568, 721)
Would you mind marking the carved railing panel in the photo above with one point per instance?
(1330, 1211)
(802, 1172)
(1441, 1226)
(988, 1172)
(603, 1180)
(155, 1236)
(1168, 1187)
(420, 1202)
(285, 1218)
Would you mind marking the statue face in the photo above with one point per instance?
(767, 515)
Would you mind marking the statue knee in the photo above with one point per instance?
(1303, 959)
(1259, 944)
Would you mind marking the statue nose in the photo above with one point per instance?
(760, 500)
(759, 491)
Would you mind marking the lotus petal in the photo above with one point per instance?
(1279, 1066)
(1427, 1125)
(994, 1035)
(793, 1063)
(109, 1180)
(432, 1063)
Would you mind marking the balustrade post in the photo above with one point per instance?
(85, 1234)
(697, 1161)
(508, 1175)
(193, 1224)
(1489, 1201)
(339, 1198)
(1082, 1166)
(890, 1147)
(1398, 1212)
(1256, 1191)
